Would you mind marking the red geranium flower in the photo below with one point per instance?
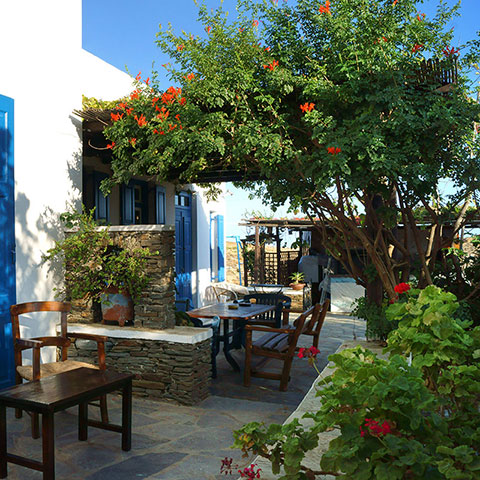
(402, 288)
(334, 150)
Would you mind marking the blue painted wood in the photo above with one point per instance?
(183, 246)
(102, 203)
(128, 205)
(220, 248)
(160, 206)
(7, 241)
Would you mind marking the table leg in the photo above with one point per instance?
(127, 416)
(3, 442)
(48, 446)
(83, 421)
(227, 345)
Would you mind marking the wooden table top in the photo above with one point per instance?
(53, 392)
(221, 310)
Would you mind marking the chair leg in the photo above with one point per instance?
(315, 340)
(248, 359)
(35, 425)
(104, 409)
(285, 374)
(18, 413)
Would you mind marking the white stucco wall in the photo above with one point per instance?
(44, 69)
(202, 209)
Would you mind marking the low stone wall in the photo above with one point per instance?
(156, 308)
(170, 364)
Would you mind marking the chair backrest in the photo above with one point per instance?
(299, 325)
(315, 323)
(281, 301)
(31, 307)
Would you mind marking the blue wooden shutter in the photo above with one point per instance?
(128, 204)
(221, 249)
(160, 205)
(102, 203)
(7, 241)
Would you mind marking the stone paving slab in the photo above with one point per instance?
(174, 442)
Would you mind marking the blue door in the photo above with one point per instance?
(7, 241)
(183, 245)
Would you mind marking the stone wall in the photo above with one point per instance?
(156, 308)
(163, 369)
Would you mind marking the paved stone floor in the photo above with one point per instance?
(175, 442)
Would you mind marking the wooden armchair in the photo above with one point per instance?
(37, 370)
(276, 317)
(279, 343)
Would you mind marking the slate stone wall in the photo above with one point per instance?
(176, 372)
(156, 308)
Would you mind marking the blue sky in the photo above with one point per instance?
(122, 32)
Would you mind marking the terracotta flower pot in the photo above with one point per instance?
(297, 286)
(116, 306)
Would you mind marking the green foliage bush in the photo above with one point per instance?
(91, 262)
(378, 327)
(412, 416)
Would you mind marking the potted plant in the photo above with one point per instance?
(96, 269)
(297, 279)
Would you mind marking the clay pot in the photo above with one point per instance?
(116, 307)
(297, 286)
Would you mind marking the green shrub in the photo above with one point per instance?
(413, 416)
(378, 327)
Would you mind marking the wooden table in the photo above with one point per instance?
(239, 317)
(58, 392)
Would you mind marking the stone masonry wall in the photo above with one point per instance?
(165, 370)
(156, 308)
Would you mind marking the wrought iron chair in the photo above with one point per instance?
(62, 341)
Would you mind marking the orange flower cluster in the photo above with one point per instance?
(271, 66)
(255, 23)
(116, 116)
(141, 120)
(448, 52)
(417, 47)
(138, 77)
(190, 76)
(180, 47)
(111, 145)
(307, 107)
(420, 17)
(325, 8)
(208, 29)
(134, 94)
(171, 95)
(334, 150)
(163, 113)
(133, 141)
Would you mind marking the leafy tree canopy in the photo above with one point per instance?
(330, 103)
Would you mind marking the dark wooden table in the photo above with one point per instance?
(58, 392)
(231, 338)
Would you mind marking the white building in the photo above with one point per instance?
(43, 73)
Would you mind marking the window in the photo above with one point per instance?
(134, 203)
(102, 203)
(160, 206)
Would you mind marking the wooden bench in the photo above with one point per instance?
(58, 392)
(281, 344)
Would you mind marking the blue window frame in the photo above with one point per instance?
(160, 208)
(134, 203)
(102, 203)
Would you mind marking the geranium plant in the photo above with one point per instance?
(414, 417)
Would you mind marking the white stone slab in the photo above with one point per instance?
(190, 335)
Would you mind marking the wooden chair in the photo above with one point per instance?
(273, 318)
(314, 325)
(279, 343)
(37, 370)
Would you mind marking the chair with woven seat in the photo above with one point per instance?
(62, 341)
